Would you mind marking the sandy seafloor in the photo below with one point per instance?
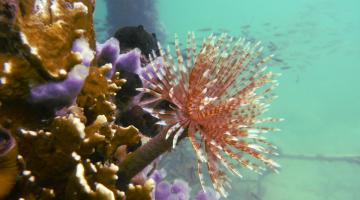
(317, 46)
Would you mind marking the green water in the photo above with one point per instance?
(317, 43)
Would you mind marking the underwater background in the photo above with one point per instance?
(316, 45)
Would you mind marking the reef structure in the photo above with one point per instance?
(58, 139)
(66, 132)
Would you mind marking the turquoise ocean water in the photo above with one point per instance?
(317, 49)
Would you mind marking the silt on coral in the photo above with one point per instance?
(81, 46)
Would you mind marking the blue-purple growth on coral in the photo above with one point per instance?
(178, 190)
(129, 61)
(109, 53)
(208, 194)
(60, 94)
(158, 175)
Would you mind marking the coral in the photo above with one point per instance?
(81, 46)
(179, 189)
(129, 61)
(56, 21)
(60, 140)
(62, 110)
(95, 96)
(107, 52)
(129, 65)
(57, 94)
(72, 159)
(139, 192)
(16, 74)
(158, 175)
(8, 167)
(26, 56)
(207, 194)
(162, 190)
(62, 93)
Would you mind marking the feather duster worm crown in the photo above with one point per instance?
(216, 96)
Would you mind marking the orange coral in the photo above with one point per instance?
(48, 30)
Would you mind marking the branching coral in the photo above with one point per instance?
(72, 159)
(95, 96)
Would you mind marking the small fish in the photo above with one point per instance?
(245, 26)
(285, 68)
(332, 50)
(251, 39)
(204, 29)
(278, 34)
(173, 43)
(266, 24)
(277, 60)
(272, 46)
(255, 196)
(217, 33)
(223, 30)
(292, 31)
(245, 33)
(297, 78)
